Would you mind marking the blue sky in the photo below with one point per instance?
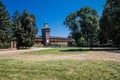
(52, 11)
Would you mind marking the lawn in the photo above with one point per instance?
(15, 69)
(59, 51)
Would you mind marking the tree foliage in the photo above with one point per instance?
(110, 21)
(25, 29)
(72, 24)
(89, 23)
(83, 23)
(5, 25)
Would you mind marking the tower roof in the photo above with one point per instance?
(45, 25)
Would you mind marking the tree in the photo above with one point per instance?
(89, 23)
(111, 21)
(25, 29)
(103, 32)
(72, 24)
(5, 25)
(83, 23)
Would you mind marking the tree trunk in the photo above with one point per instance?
(119, 46)
(91, 43)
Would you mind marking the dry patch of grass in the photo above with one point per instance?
(64, 54)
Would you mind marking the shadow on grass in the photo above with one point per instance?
(74, 50)
(114, 50)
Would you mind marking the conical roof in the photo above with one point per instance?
(45, 25)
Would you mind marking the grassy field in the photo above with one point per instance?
(18, 69)
(13, 69)
(59, 51)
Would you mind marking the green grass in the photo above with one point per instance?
(13, 69)
(58, 51)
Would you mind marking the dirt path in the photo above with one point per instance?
(91, 55)
(24, 50)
